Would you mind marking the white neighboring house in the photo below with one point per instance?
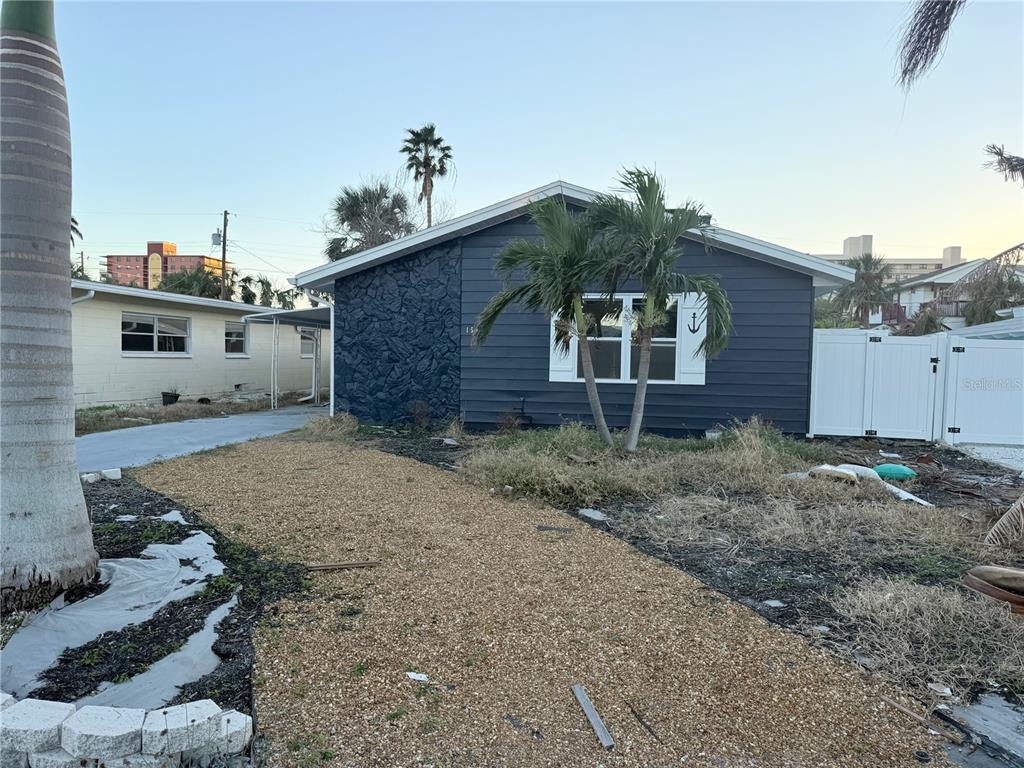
(131, 344)
(911, 294)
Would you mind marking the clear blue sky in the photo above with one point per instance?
(782, 118)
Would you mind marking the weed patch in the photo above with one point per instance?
(915, 634)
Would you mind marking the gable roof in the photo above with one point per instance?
(826, 274)
(949, 275)
(150, 294)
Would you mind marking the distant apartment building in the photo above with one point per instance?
(902, 269)
(161, 259)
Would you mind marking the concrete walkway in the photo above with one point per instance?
(137, 446)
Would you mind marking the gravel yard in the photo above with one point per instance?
(504, 617)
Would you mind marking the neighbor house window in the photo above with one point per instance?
(154, 334)
(616, 358)
(235, 338)
(306, 346)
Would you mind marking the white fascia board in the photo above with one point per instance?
(319, 277)
(826, 274)
(148, 294)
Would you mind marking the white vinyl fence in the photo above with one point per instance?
(955, 388)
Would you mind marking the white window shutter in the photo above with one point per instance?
(561, 363)
(689, 364)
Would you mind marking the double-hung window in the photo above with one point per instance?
(615, 355)
(236, 339)
(154, 335)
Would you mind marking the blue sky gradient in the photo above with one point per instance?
(784, 119)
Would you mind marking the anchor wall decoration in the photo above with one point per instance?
(694, 326)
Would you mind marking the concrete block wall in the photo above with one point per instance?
(49, 734)
(106, 376)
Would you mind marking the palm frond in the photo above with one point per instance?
(1011, 166)
(924, 37)
(1009, 529)
(496, 306)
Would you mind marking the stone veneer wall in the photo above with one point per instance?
(397, 337)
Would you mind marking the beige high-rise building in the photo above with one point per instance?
(902, 268)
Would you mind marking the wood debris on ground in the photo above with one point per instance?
(508, 621)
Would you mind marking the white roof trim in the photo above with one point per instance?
(826, 274)
(317, 316)
(149, 294)
(323, 275)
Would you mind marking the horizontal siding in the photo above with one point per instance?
(765, 370)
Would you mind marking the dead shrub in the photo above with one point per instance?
(918, 634)
(340, 426)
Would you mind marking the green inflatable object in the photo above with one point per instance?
(895, 472)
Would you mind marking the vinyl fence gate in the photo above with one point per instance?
(936, 387)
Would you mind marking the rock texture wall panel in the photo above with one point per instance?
(397, 338)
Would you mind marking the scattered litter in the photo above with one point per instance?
(836, 473)
(595, 719)
(953, 737)
(906, 495)
(553, 529)
(821, 629)
(126, 518)
(342, 566)
(580, 459)
(921, 756)
(887, 455)
(418, 677)
(91, 477)
(111, 474)
(507, 490)
(773, 603)
(174, 516)
(854, 473)
(646, 726)
(895, 472)
(450, 442)
(1004, 584)
(593, 514)
(712, 434)
(940, 689)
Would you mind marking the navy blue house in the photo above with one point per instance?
(404, 313)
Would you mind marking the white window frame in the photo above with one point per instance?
(690, 367)
(303, 338)
(156, 333)
(245, 339)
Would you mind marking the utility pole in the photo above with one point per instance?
(81, 260)
(224, 260)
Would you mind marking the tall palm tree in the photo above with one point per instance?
(366, 216)
(645, 236)
(427, 157)
(45, 537)
(552, 276)
(247, 294)
(871, 287)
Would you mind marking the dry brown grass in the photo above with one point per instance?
(340, 426)
(569, 465)
(849, 523)
(106, 418)
(915, 633)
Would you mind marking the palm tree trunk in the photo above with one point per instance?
(591, 380)
(639, 399)
(46, 537)
(428, 193)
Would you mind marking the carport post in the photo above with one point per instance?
(273, 368)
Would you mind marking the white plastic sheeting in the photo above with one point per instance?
(138, 588)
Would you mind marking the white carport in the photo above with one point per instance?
(309, 323)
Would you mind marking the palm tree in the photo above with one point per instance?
(365, 217)
(198, 281)
(1011, 166)
(871, 287)
(645, 236)
(427, 156)
(999, 289)
(552, 276)
(286, 298)
(267, 292)
(76, 231)
(248, 295)
(46, 540)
